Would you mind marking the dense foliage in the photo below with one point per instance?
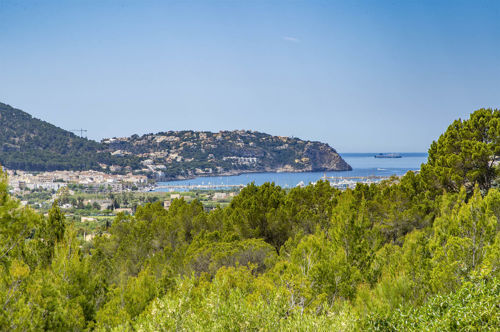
(406, 254)
(465, 155)
(30, 144)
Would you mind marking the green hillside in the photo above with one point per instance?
(27, 143)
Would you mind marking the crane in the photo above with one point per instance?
(81, 132)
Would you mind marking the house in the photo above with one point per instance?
(220, 195)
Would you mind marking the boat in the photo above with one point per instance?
(388, 155)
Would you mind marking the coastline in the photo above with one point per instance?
(363, 167)
(241, 172)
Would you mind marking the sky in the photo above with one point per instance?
(362, 76)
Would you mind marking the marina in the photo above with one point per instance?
(339, 182)
(366, 169)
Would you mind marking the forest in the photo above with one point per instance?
(415, 253)
(27, 143)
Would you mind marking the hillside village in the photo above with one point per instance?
(187, 154)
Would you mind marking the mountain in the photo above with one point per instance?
(186, 154)
(27, 143)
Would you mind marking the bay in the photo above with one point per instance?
(363, 164)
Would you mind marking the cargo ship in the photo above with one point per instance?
(388, 155)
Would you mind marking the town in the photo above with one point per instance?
(92, 199)
(88, 181)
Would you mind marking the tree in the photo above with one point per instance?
(465, 154)
(351, 230)
(55, 223)
(462, 235)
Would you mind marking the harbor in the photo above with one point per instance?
(366, 169)
(339, 182)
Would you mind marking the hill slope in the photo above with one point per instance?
(27, 143)
(184, 154)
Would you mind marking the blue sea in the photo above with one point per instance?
(363, 164)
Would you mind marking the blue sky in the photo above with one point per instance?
(363, 76)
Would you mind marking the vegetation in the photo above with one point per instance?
(466, 154)
(184, 154)
(30, 144)
(412, 253)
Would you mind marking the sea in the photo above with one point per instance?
(364, 165)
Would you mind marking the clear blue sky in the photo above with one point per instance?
(359, 75)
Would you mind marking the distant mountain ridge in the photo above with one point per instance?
(27, 143)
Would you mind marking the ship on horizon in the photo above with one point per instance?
(388, 155)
